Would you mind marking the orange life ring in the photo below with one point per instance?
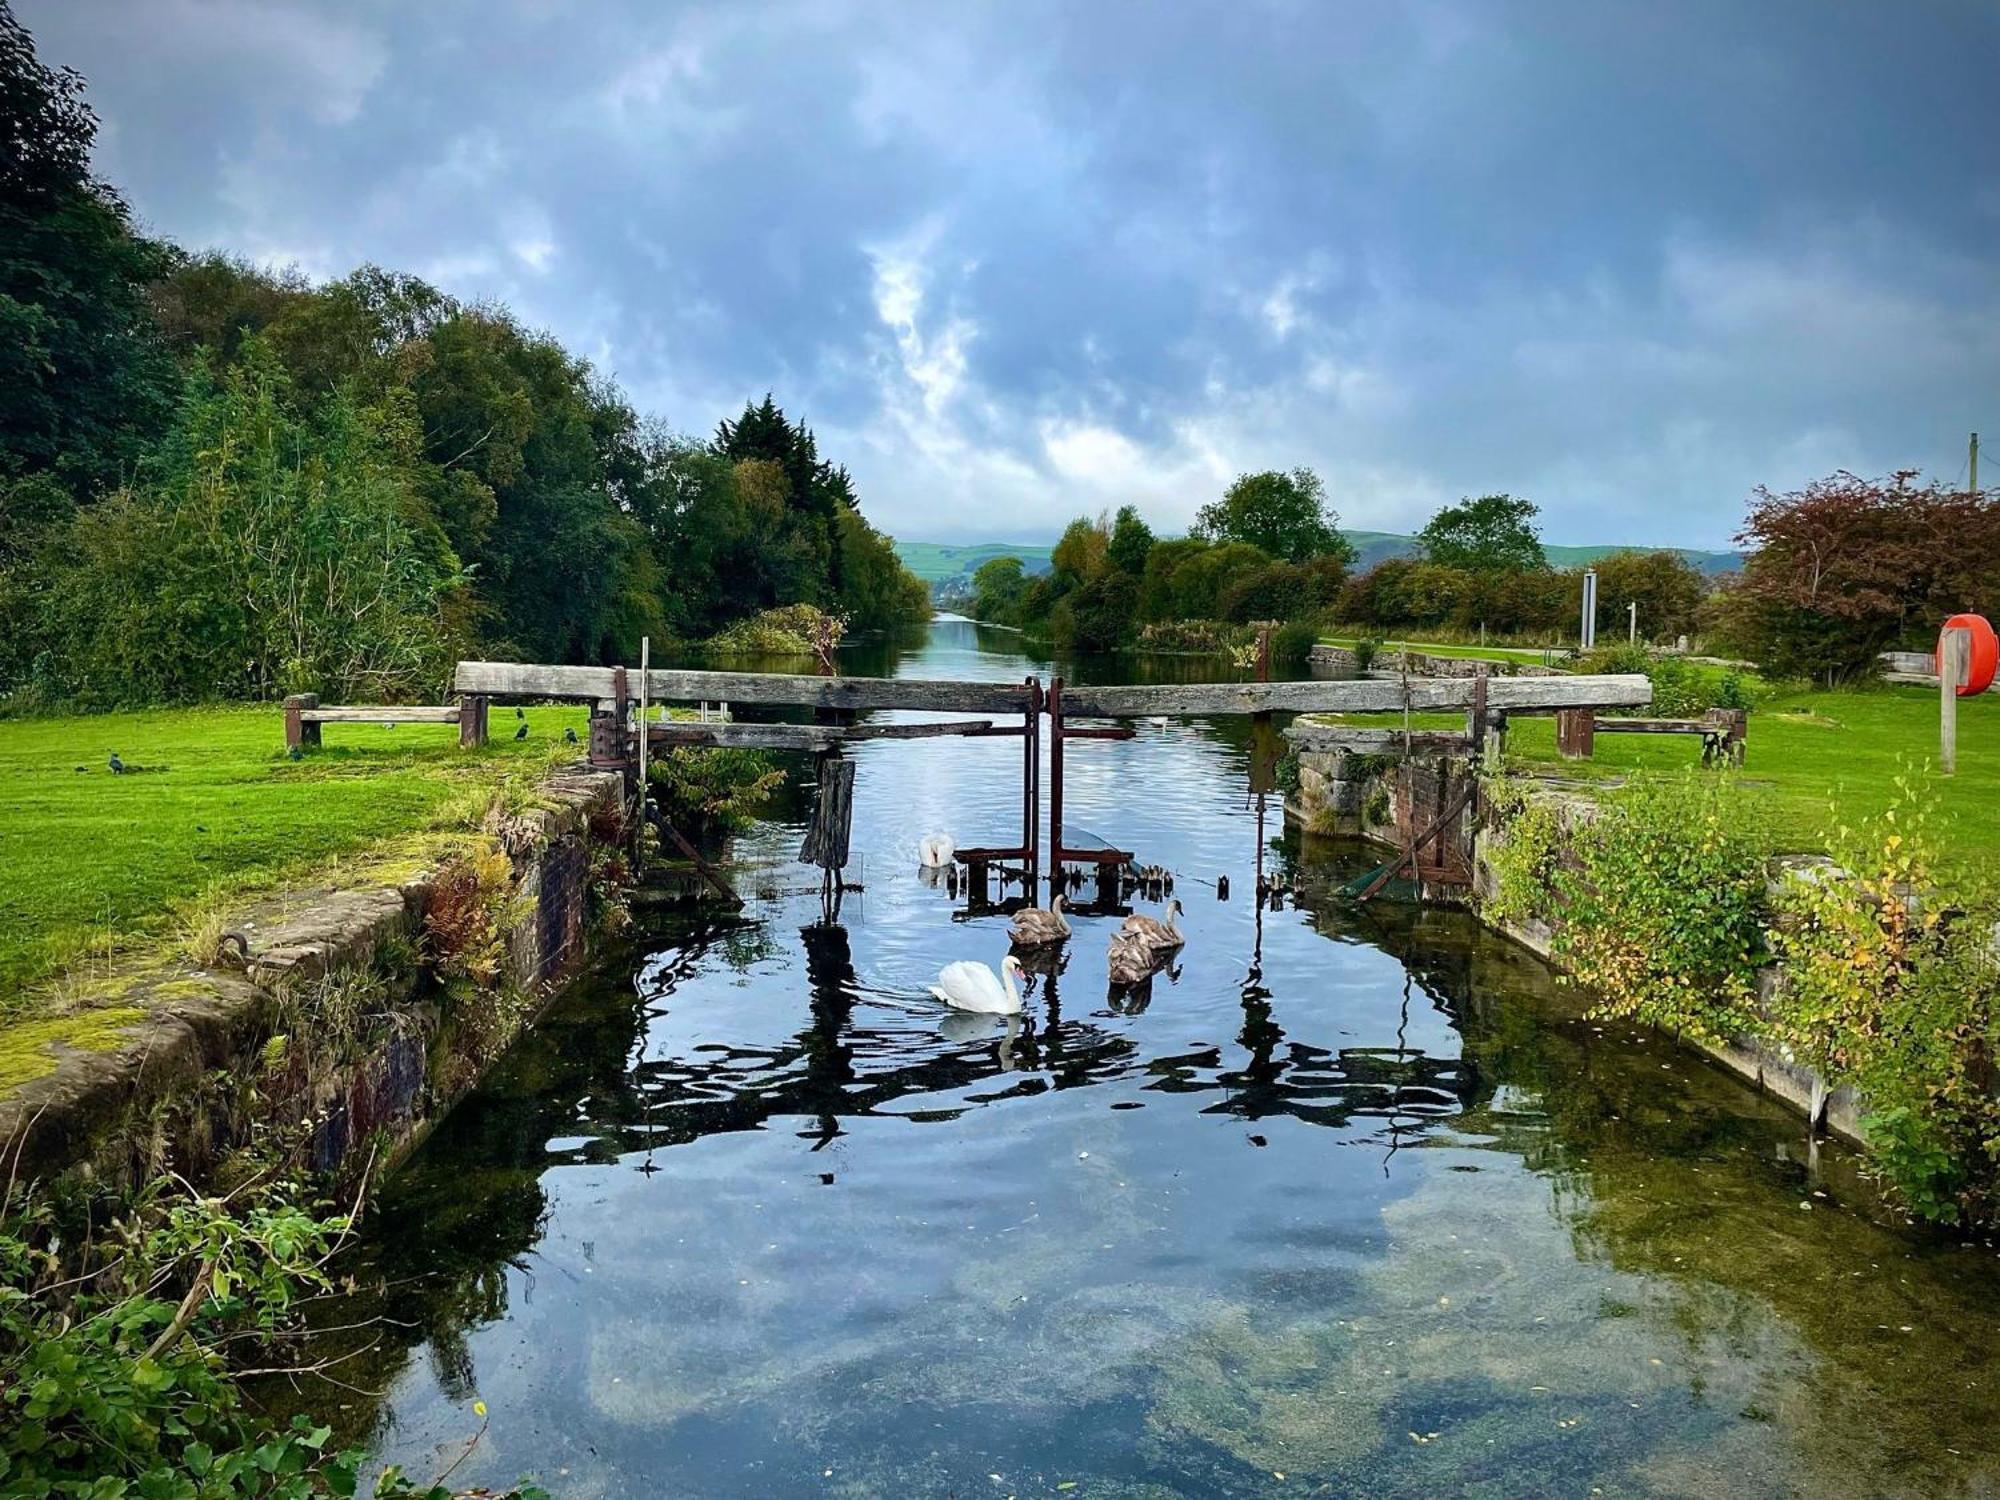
(1983, 655)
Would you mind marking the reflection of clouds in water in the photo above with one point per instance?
(1109, 1244)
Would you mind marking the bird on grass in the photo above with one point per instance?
(521, 733)
(569, 734)
(118, 767)
(519, 712)
(296, 753)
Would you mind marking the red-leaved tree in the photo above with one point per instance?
(1849, 567)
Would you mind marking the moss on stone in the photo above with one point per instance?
(25, 1049)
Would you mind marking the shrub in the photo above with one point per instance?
(788, 631)
(1891, 986)
(471, 911)
(704, 794)
(1660, 899)
(1293, 641)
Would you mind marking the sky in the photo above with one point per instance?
(1024, 260)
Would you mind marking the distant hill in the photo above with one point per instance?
(935, 562)
(938, 562)
(1372, 547)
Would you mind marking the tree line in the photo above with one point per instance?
(1833, 574)
(1270, 552)
(222, 481)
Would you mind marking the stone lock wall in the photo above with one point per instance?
(225, 1057)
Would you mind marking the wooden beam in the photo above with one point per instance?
(1427, 694)
(528, 680)
(1657, 726)
(811, 737)
(384, 714)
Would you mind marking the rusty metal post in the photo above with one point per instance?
(1055, 783)
(1031, 771)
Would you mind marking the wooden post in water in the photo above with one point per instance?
(1952, 657)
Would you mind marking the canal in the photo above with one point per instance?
(1357, 1201)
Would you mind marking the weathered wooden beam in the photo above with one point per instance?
(1657, 726)
(1340, 737)
(813, 737)
(1426, 694)
(529, 680)
(384, 714)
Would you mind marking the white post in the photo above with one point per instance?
(1632, 630)
(1588, 635)
(1951, 672)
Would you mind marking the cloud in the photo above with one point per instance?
(1020, 260)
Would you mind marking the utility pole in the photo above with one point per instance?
(1587, 634)
(1972, 461)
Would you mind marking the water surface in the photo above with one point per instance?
(1354, 1203)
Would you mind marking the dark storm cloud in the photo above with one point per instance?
(1018, 260)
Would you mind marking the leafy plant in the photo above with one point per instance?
(472, 909)
(1658, 900)
(1891, 985)
(704, 794)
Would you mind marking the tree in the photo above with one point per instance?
(1282, 515)
(997, 589)
(1493, 534)
(84, 383)
(1080, 552)
(1131, 540)
(1848, 567)
(1667, 588)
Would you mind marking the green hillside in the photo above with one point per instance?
(934, 562)
(1372, 547)
(937, 562)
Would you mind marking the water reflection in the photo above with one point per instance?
(1353, 1202)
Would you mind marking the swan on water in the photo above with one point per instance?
(935, 852)
(1132, 960)
(1162, 936)
(1034, 925)
(967, 985)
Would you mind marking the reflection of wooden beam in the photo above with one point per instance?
(809, 737)
(1427, 694)
(529, 680)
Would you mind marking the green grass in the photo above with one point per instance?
(1809, 752)
(92, 863)
(1532, 654)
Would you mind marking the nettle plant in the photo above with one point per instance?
(1890, 980)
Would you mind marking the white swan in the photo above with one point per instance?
(966, 985)
(935, 852)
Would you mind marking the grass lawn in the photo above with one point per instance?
(1530, 654)
(91, 862)
(1810, 752)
